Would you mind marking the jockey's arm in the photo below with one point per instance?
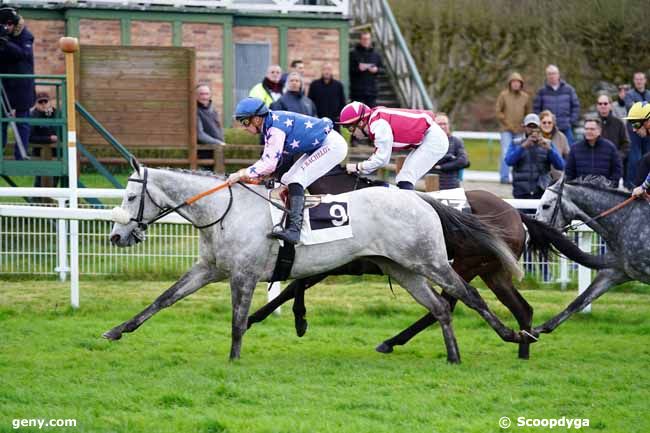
(383, 147)
(273, 147)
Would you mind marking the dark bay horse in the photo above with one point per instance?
(468, 261)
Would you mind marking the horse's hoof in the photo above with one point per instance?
(301, 328)
(453, 360)
(384, 348)
(112, 335)
(524, 351)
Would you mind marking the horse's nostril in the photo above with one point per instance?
(115, 239)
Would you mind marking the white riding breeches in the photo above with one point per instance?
(308, 168)
(434, 146)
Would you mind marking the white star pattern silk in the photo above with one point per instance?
(288, 122)
(295, 144)
(275, 117)
(308, 124)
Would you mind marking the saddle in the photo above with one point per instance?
(280, 195)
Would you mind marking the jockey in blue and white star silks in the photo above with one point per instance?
(286, 134)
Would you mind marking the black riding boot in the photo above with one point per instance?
(296, 205)
(405, 185)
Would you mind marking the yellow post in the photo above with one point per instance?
(70, 46)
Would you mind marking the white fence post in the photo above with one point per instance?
(62, 240)
(584, 274)
(273, 291)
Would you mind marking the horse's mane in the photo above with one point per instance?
(597, 183)
(200, 172)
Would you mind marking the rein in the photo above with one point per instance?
(139, 219)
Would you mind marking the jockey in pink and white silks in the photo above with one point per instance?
(287, 134)
(394, 128)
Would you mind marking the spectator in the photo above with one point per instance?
(531, 158)
(594, 155)
(328, 95)
(365, 64)
(618, 106)
(16, 52)
(448, 168)
(208, 127)
(561, 99)
(550, 132)
(638, 145)
(294, 100)
(512, 105)
(270, 89)
(296, 66)
(613, 128)
(44, 135)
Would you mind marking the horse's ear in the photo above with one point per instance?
(135, 165)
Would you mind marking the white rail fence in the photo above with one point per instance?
(36, 240)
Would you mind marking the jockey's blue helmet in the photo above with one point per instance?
(249, 107)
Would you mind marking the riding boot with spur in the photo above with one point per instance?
(296, 204)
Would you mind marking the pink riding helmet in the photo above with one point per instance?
(352, 113)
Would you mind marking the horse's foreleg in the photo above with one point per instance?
(417, 286)
(264, 312)
(241, 288)
(603, 281)
(198, 276)
(501, 284)
(406, 335)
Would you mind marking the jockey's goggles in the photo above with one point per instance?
(246, 122)
(637, 124)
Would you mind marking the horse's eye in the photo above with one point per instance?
(545, 206)
(131, 197)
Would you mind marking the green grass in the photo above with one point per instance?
(173, 375)
(483, 154)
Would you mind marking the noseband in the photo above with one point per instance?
(164, 211)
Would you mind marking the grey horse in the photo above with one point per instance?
(625, 232)
(398, 230)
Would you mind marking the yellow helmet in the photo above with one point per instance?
(639, 111)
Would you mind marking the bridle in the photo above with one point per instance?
(558, 209)
(164, 211)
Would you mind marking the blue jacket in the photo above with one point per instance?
(304, 134)
(562, 102)
(635, 96)
(600, 160)
(18, 58)
(531, 168)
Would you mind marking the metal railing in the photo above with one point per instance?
(397, 57)
(338, 7)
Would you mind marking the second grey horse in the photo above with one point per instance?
(398, 230)
(625, 232)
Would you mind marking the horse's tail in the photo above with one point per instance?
(465, 230)
(543, 238)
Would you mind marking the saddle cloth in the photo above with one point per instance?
(326, 217)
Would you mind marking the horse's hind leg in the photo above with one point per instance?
(198, 276)
(419, 289)
(501, 284)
